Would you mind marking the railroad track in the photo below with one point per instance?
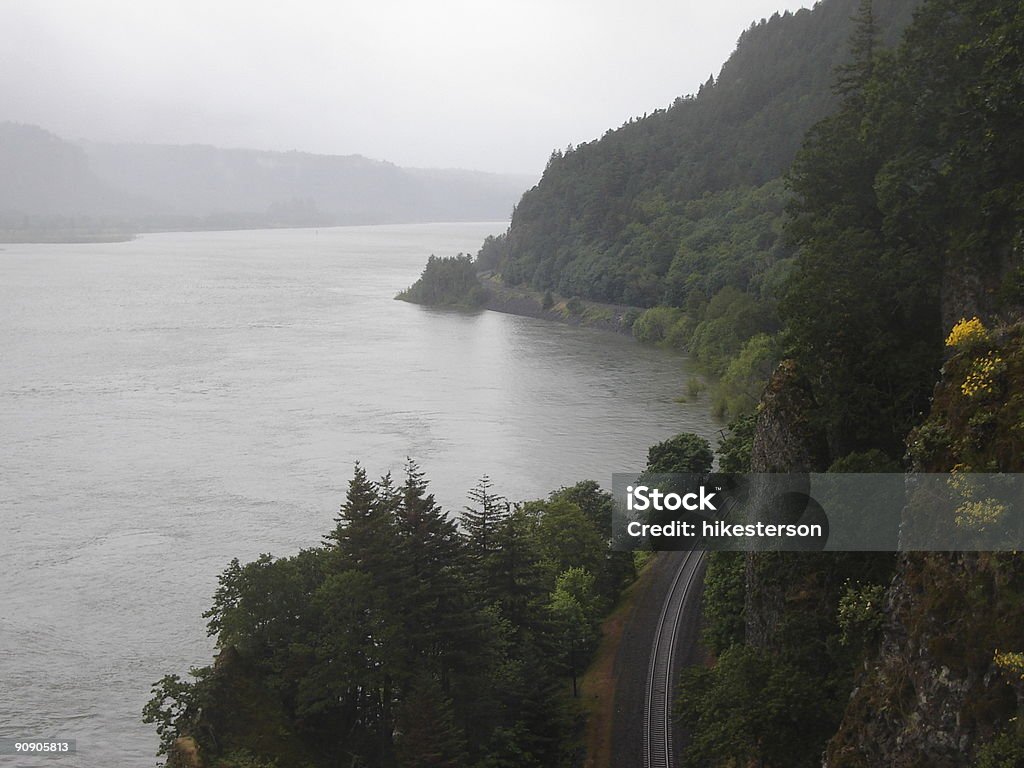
(660, 673)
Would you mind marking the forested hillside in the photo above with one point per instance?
(608, 217)
(684, 207)
(902, 344)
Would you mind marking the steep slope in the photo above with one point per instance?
(608, 216)
(908, 211)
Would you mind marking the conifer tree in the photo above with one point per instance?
(365, 529)
(430, 736)
(863, 45)
(482, 520)
(481, 525)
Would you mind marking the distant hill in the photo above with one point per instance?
(41, 174)
(51, 188)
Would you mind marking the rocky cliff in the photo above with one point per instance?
(943, 689)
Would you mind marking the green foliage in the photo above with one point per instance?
(861, 614)
(914, 178)
(567, 538)
(722, 606)
(404, 640)
(430, 736)
(449, 281)
(684, 453)
(727, 336)
(976, 433)
(686, 199)
(482, 522)
(596, 504)
(491, 253)
(865, 462)
(1004, 751)
(670, 209)
(659, 324)
(744, 379)
(744, 711)
(173, 709)
(575, 609)
(243, 758)
(730, 319)
(736, 447)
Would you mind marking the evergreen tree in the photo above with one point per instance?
(481, 524)
(851, 78)
(430, 736)
(361, 521)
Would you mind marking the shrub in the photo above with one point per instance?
(967, 333)
(740, 388)
(655, 323)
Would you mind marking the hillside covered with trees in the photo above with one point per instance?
(683, 209)
(901, 341)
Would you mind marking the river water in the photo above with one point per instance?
(170, 403)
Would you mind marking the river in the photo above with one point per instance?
(172, 402)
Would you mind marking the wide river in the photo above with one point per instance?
(170, 403)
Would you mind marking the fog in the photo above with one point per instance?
(472, 84)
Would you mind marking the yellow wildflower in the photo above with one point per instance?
(1010, 662)
(980, 380)
(967, 332)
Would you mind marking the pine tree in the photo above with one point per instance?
(481, 524)
(853, 76)
(430, 736)
(365, 530)
(481, 521)
(356, 511)
(435, 605)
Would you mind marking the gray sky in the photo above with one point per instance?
(440, 83)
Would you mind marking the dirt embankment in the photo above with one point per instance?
(572, 311)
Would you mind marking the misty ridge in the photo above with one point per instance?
(55, 190)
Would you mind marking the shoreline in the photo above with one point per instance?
(582, 313)
(70, 237)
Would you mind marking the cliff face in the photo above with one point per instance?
(933, 691)
(784, 441)
(936, 691)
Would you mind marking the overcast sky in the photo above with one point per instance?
(434, 83)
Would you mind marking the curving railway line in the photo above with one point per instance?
(661, 676)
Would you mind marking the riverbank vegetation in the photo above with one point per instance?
(447, 281)
(405, 640)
